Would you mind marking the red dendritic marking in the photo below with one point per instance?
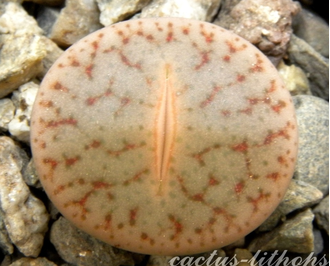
(257, 67)
(209, 37)
(241, 147)
(42, 145)
(281, 133)
(255, 201)
(195, 197)
(95, 45)
(240, 78)
(133, 216)
(274, 176)
(150, 38)
(59, 87)
(205, 60)
(267, 99)
(217, 211)
(247, 111)
(124, 101)
(159, 28)
(89, 70)
(239, 187)
(126, 148)
(226, 58)
(230, 223)
(283, 161)
(127, 62)
(124, 39)
(199, 156)
(226, 113)
(93, 99)
(93, 145)
(198, 197)
(137, 177)
(211, 97)
(144, 236)
(280, 105)
(213, 181)
(81, 203)
(61, 122)
(233, 47)
(47, 104)
(177, 226)
(185, 31)
(170, 34)
(53, 163)
(107, 222)
(71, 161)
(74, 63)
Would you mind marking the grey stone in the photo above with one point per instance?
(272, 221)
(21, 48)
(318, 241)
(15, 20)
(113, 11)
(25, 216)
(313, 29)
(298, 196)
(155, 260)
(21, 61)
(7, 260)
(195, 9)
(5, 243)
(307, 2)
(46, 18)
(78, 19)
(53, 52)
(226, 8)
(4, 2)
(264, 23)
(295, 79)
(30, 176)
(294, 235)
(23, 99)
(48, 2)
(33, 262)
(244, 257)
(321, 212)
(313, 154)
(7, 111)
(315, 65)
(79, 248)
(53, 211)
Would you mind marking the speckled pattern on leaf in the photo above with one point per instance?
(164, 136)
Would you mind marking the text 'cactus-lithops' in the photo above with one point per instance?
(164, 136)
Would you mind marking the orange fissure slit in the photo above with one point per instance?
(165, 128)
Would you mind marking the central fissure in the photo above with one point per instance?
(165, 127)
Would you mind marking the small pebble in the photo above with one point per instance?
(294, 235)
(24, 215)
(79, 248)
(314, 65)
(321, 212)
(313, 153)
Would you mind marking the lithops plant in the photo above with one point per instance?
(164, 136)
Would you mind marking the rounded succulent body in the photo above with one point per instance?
(164, 136)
